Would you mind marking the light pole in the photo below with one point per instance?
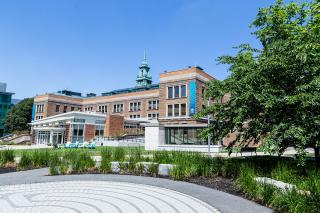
(209, 135)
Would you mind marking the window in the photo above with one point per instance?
(79, 109)
(202, 92)
(176, 91)
(57, 108)
(39, 117)
(135, 106)
(153, 104)
(170, 92)
(183, 91)
(169, 114)
(102, 108)
(39, 108)
(88, 109)
(134, 116)
(72, 109)
(184, 135)
(65, 108)
(99, 131)
(177, 110)
(183, 109)
(153, 116)
(77, 130)
(118, 108)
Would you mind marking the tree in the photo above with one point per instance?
(274, 90)
(19, 116)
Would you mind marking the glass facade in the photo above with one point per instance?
(5, 104)
(184, 135)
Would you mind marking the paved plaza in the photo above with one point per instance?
(34, 191)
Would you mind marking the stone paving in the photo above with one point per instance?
(96, 197)
(34, 191)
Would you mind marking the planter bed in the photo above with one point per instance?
(223, 184)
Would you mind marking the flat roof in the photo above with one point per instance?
(7, 93)
(132, 89)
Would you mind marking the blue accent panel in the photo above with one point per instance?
(192, 97)
(33, 111)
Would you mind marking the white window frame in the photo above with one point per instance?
(154, 107)
(119, 108)
(173, 115)
(173, 91)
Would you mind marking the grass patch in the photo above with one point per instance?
(6, 157)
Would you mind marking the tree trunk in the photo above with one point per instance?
(317, 156)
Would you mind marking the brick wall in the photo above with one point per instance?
(89, 132)
(113, 125)
(67, 133)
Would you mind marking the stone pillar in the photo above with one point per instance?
(114, 124)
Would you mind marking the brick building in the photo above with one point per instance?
(163, 110)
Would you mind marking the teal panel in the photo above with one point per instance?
(192, 97)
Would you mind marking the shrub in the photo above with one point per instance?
(119, 154)
(63, 168)
(123, 166)
(266, 193)
(162, 157)
(177, 172)
(135, 154)
(153, 169)
(25, 161)
(246, 181)
(132, 164)
(54, 163)
(140, 168)
(71, 156)
(106, 157)
(40, 158)
(83, 162)
(6, 156)
(285, 173)
(230, 168)
(290, 201)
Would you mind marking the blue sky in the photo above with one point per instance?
(97, 45)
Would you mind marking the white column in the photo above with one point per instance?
(51, 137)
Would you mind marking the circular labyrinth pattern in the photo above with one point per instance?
(96, 197)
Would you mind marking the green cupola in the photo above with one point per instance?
(144, 78)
